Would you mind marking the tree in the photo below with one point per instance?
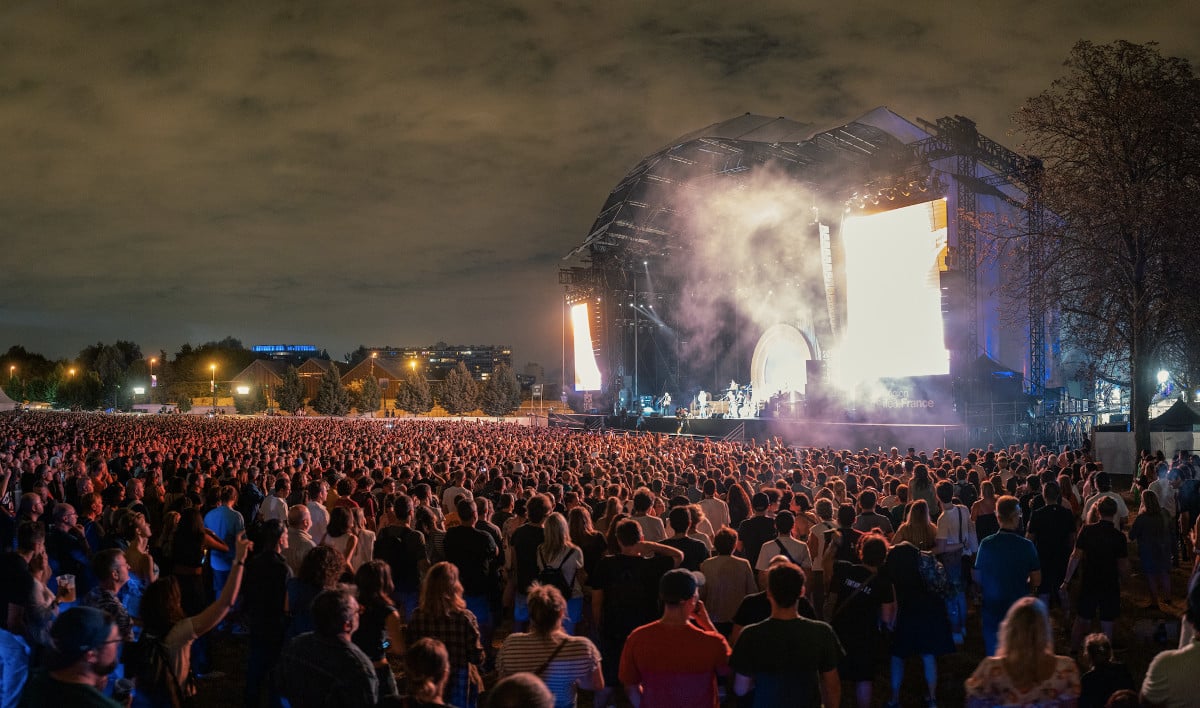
(1120, 138)
(460, 393)
(367, 397)
(183, 402)
(501, 394)
(254, 403)
(413, 394)
(332, 397)
(290, 394)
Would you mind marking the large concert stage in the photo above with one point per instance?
(760, 271)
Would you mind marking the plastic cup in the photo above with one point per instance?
(66, 588)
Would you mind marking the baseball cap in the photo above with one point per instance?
(76, 632)
(677, 585)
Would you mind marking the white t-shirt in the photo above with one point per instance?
(1171, 679)
(798, 550)
(320, 521)
(954, 525)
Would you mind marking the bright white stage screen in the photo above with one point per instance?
(893, 325)
(587, 373)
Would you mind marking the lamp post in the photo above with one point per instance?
(373, 356)
(213, 386)
(12, 371)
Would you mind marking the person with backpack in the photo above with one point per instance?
(560, 564)
(160, 660)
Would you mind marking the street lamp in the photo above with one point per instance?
(71, 372)
(213, 385)
(12, 370)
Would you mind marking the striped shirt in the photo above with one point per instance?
(578, 660)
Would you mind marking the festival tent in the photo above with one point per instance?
(1180, 418)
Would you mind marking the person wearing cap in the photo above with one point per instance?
(82, 655)
(786, 659)
(675, 660)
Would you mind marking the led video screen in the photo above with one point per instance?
(587, 373)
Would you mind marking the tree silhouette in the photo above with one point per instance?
(332, 397)
(501, 394)
(460, 393)
(1121, 146)
(290, 394)
(413, 394)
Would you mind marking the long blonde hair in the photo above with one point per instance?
(917, 529)
(1025, 642)
(557, 537)
(441, 592)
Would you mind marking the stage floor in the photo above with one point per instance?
(808, 433)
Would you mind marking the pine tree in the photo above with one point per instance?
(501, 394)
(332, 397)
(413, 394)
(460, 393)
(369, 397)
(290, 394)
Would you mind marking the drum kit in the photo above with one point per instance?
(734, 402)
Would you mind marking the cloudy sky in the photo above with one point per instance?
(341, 172)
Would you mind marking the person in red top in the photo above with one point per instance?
(675, 660)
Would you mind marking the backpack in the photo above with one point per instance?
(148, 662)
(934, 575)
(554, 577)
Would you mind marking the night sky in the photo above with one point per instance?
(337, 173)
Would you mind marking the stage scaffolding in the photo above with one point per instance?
(857, 162)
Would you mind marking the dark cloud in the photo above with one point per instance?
(364, 172)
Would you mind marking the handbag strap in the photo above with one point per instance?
(546, 664)
(842, 603)
(784, 550)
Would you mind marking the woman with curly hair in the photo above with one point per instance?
(443, 615)
(320, 570)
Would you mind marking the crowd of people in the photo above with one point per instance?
(426, 563)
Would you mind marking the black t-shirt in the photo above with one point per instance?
(1052, 526)
(857, 610)
(753, 533)
(473, 551)
(16, 584)
(402, 549)
(694, 552)
(756, 607)
(1103, 545)
(263, 593)
(785, 659)
(630, 586)
(525, 542)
